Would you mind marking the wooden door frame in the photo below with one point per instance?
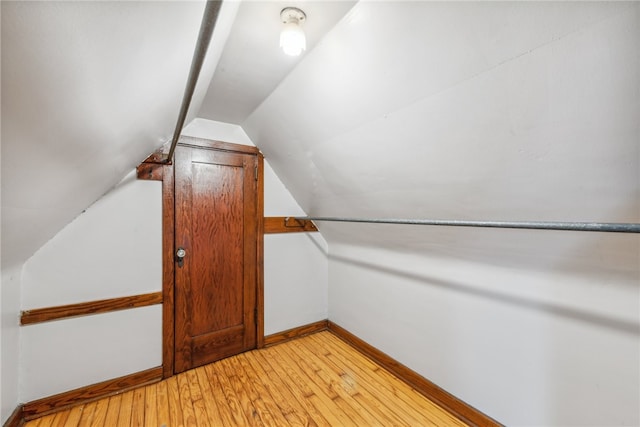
(153, 169)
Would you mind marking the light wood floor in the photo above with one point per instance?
(312, 381)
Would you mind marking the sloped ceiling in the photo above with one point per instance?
(466, 110)
(89, 89)
(461, 110)
(252, 64)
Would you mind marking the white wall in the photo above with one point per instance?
(113, 249)
(67, 354)
(10, 340)
(526, 347)
(295, 265)
(478, 110)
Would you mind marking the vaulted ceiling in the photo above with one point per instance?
(252, 64)
(468, 110)
(89, 89)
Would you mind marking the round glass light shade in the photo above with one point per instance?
(292, 39)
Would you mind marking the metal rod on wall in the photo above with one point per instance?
(200, 52)
(609, 227)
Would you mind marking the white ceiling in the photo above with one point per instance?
(252, 64)
(89, 89)
(468, 110)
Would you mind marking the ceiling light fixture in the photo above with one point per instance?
(292, 39)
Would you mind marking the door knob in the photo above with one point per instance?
(180, 254)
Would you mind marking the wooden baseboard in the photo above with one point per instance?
(457, 407)
(300, 331)
(47, 314)
(16, 419)
(58, 402)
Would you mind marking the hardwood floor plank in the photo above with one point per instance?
(137, 407)
(60, 419)
(267, 403)
(162, 401)
(74, 416)
(150, 406)
(175, 409)
(214, 416)
(215, 373)
(296, 413)
(288, 387)
(44, 421)
(247, 384)
(315, 381)
(221, 407)
(87, 414)
(111, 417)
(407, 398)
(372, 372)
(327, 392)
(188, 412)
(126, 403)
(322, 404)
(247, 405)
(351, 384)
(100, 413)
(199, 409)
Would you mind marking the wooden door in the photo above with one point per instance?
(216, 224)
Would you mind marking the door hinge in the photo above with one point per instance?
(255, 169)
(255, 316)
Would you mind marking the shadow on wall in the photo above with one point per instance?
(608, 255)
(620, 325)
(615, 254)
(318, 243)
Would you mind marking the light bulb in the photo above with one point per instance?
(292, 39)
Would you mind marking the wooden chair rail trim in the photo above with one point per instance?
(300, 331)
(46, 314)
(285, 224)
(457, 407)
(58, 402)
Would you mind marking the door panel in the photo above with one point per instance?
(216, 224)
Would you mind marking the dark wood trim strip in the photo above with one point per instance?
(47, 314)
(260, 256)
(190, 141)
(152, 168)
(149, 171)
(285, 224)
(457, 407)
(300, 331)
(62, 401)
(15, 419)
(168, 265)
